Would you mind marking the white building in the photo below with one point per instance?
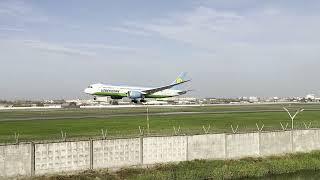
(179, 100)
(311, 97)
(253, 99)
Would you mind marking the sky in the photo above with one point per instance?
(54, 49)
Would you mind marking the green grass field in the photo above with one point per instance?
(37, 125)
(289, 166)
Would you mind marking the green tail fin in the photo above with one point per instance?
(180, 78)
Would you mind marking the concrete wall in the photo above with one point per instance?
(62, 157)
(209, 146)
(15, 160)
(164, 149)
(242, 145)
(116, 153)
(29, 159)
(272, 143)
(306, 140)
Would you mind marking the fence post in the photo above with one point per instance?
(291, 139)
(259, 143)
(187, 148)
(32, 148)
(91, 154)
(225, 146)
(141, 150)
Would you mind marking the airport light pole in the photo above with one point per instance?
(292, 117)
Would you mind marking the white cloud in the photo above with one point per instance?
(8, 28)
(14, 8)
(212, 29)
(79, 49)
(192, 27)
(86, 49)
(96, 46)
(129, 30)
(21, 12)
(271, 11)
(57, 48)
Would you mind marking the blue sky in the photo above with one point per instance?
(54, 49)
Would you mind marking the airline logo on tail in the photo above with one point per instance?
(181, 78)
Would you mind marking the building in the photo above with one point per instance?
(253, 99)
(310, 97)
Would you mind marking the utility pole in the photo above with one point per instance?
(292, 117)
(148, 124)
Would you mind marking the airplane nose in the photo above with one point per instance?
(87, 90)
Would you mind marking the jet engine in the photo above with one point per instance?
(135, 95)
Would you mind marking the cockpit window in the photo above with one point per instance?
(89, 86)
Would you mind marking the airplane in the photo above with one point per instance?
(137, 94)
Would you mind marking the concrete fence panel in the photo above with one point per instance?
(48, 158)
(242, 145)
(306, 140)
(15, 160)
(209, 146)
(116, 153)
(62, 157)
(272, 143)
(164, 149)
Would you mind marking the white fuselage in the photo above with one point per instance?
(118, 92)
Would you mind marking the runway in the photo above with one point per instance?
(136, 114)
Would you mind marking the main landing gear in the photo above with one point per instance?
(137, 101)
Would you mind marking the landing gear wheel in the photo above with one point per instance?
(114, 102)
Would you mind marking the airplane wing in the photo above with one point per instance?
(154, 90)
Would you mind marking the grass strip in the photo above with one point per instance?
(207, 169)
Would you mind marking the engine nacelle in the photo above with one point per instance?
(135, 95)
